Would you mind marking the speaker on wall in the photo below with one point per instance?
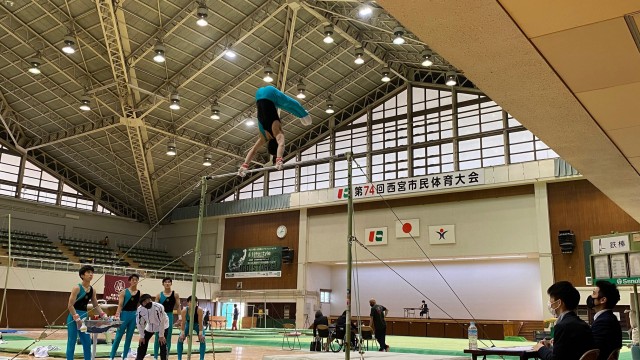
(567, 241)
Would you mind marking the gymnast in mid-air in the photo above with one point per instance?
(269, 100)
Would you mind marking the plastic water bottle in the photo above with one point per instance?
(83, 327)
(473, 336)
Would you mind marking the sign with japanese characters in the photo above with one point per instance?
(113, 286)
(610, 244)
(264, 261)
(456, 179)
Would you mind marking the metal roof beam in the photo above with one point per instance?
(110, 27)
(22, 32)
(214, 52)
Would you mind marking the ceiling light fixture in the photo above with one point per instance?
(359, 60)
(385, 74)
(329, 105)
(328, 31)
(398, 32)
(171, 148)
(215, 111)
(365, 11)
(426, 58)
(229, 53)
(301, 89)
(85, 103)
(159, 53)
(69, 45)
(175, 101)
(35, 63)
(202, 15)
(207, 159)
(250, 122)
(451, 78)
(268, 72)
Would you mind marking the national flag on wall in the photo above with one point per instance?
(408, 228)
(375, 236)
(442, 234)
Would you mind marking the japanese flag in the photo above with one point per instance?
(408, 228)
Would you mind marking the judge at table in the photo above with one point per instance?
(572, 336)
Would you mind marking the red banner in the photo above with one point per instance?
(113, 285)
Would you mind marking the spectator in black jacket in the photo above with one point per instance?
(572, 336)
(605, 328)
(319, 320)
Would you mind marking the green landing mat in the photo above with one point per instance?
(102, 351)
(14, 337)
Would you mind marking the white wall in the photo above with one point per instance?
(500, 290)
(496, 226)
(51, 220)
(180, 237)
(486, 227)
(319, 277)
(62, 281)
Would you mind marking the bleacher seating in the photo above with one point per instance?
(92, 252)
(154, 259)
(30, 245)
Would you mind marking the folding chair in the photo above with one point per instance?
(290, 331)
(367, 334)
(590, 355)
(323, 334)
(614, 355)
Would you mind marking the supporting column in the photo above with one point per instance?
(544, 244)
(302, 272)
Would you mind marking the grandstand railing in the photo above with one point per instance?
(59, 265)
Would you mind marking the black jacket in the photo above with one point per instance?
(607, 334)
(571, 339)
(322, 320)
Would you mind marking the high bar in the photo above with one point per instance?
(284, 166)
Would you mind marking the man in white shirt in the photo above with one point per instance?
(151, 319)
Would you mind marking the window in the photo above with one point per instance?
(7, 190)
(351, 139)
(482, 135)
(38, 185)
(433, 159)
(325, 296)
(433, 126)
(395, 106)
(9, 167)
(389, 134)
(282, 182)
(389, 166)
(358, 172)
(253, 190)
(524, 146)
(104, 210)
(72, 198)
(427, 99)
(314, 177)
(481, 152)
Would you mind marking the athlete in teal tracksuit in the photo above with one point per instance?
(127, 306)
(197, 324)
(80, 296)
(269, 100)
(169, 299)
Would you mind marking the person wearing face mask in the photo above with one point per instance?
(605, 328)
(572, 336)
(151, 319)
